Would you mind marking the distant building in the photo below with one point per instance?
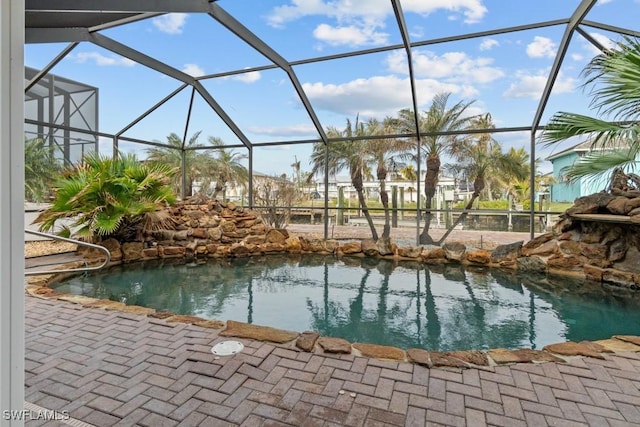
(563, 190)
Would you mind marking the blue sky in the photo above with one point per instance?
(504, 74)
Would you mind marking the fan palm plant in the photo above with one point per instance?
(614, 80)
(109, 197)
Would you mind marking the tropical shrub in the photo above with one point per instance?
(102, 197)
(485, 204)
(40, 169)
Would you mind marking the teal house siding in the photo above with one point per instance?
(563, 191)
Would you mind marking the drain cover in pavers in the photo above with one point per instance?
(227, 348)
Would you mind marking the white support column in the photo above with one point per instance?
(12, 211)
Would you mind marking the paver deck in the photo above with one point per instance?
(110, 368)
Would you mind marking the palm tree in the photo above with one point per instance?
(520, 188)
(614, 79)
(110, 197)
(196, 162)
(296, 170)
(227, 168)
(349, 153)
(436, 120)
(481, 157)
(409, 173)
(383, 152)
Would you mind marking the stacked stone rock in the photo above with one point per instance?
(601, 251)
(602, 247)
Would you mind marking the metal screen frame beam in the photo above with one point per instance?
(243, 33)
(397, 10)
(50, 66)
(576, 18)
(611, 28)
(117, 6)
(258, 44)
(161, 67)
(590, 39)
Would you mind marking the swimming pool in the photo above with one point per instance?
(404, 304)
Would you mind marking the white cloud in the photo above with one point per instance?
(102, 60)
(577, 57)
(488, 44)
(417, 32)
(171, 23)
(472, 10)
(193, 70)
(361, 23)
(531, 85)
(341, 10)
(250, 77)
(541, 47)
(377, 96)
(247, 77)
(299, 130)
(351, 35)
(372, 10)
(451, 66)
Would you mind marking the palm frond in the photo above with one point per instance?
(563, 126)
(618, 70)
(598, 165)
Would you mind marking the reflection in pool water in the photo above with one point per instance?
(405, 304)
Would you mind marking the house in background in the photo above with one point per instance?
(563, 190)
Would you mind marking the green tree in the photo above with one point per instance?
(613, 78)
(296, 171)
(409, 173)
(40, 169)
(227, 168)
(109, 197)
(197, 163)
(349, 153)
(438, 119)
(481, 157)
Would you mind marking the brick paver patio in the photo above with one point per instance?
(110, 368)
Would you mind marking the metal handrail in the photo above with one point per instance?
(69, 270)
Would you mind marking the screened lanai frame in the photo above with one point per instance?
(74, 21)
(63, 102)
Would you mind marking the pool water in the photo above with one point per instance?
(404, 304)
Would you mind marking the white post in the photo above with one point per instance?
(438, 204)
(509, 218)
(12, 213)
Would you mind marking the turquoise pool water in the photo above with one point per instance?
(384, 302)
